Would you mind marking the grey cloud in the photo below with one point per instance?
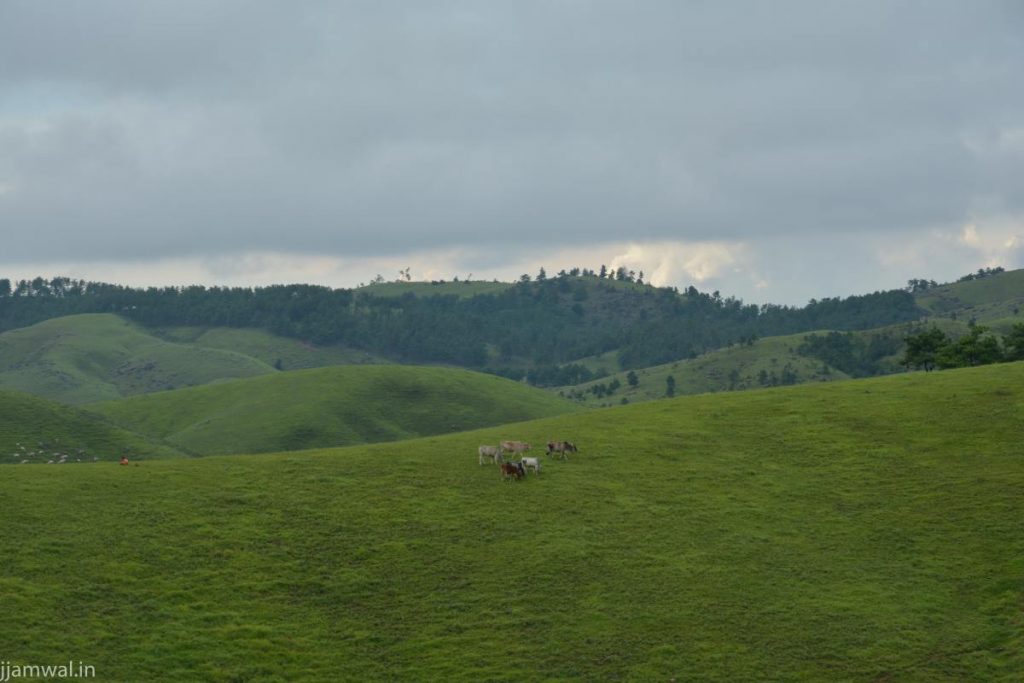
(131, 130)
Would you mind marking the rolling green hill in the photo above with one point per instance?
(741, 366)
(94, 357)
(733, 368)
(864, 531)
(279, 352)
(34, 430)
(997, 300)
(329, 407)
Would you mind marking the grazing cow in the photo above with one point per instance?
(562, 448)
(512, 469)
(530, 462)
(492, 452)
(514, 447)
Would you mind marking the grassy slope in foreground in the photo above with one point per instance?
(36, 430)
(95, 357)
(863, 530)
(330, 407)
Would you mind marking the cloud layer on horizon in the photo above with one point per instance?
(135, 133)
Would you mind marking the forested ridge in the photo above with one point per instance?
(530, 325)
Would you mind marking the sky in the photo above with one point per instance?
(774, 151)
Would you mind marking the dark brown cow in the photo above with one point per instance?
(512, 469)
(561, 447)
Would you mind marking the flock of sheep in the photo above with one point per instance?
(55, 457)
(517, 470)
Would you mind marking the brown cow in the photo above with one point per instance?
(561, 447)
(512, 469)
(519, 447)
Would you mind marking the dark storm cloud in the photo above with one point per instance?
(132, 130)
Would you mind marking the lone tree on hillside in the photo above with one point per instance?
(632, 380)
(670, 386)
(923, 348)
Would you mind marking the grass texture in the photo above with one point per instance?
(866, 530)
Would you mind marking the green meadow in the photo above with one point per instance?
(34, 430)
(332, 406)
(868, 530)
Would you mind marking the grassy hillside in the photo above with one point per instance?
(95, 357)
(330, 407)
(732, 368)
(997, 300)
(863, 531)
(278, 352)
(740, 366)
(34, 430)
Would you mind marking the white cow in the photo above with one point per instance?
(491, 452)
(527, 463)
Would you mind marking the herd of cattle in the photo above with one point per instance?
(517, 470)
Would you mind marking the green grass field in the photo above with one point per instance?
(34, 430)
(329, 407)
(856, 531)
(95, 357)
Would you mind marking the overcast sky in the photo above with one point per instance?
(776, 151)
